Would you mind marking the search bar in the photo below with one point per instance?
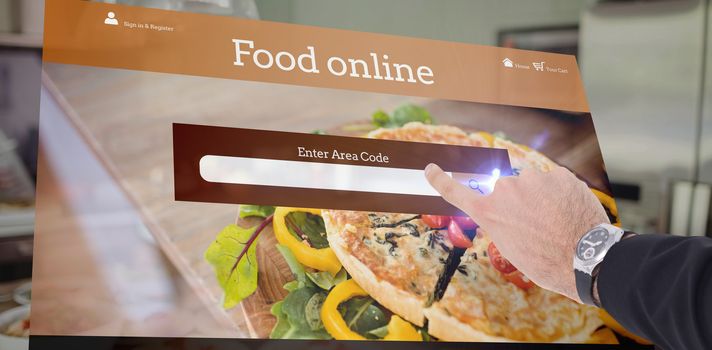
(327, 176)
(264, 167)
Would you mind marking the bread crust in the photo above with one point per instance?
(445, 327)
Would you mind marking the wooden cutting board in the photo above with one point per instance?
(273, 274)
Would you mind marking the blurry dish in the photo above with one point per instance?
(14, 328)
(23, 294)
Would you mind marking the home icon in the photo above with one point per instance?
(507, 63)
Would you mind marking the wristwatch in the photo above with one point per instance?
(590, 251)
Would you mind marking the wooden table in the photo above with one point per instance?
(125, 118)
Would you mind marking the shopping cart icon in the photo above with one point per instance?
(539, 65)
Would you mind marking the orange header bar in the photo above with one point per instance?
(114, 36)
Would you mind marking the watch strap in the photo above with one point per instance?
(584, 287)
(628, 234)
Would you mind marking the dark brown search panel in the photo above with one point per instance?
(248, 166)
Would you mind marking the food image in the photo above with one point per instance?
(402, 276)
(19, 328)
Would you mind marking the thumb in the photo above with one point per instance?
(451, 190)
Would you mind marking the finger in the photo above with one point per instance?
(452, 191)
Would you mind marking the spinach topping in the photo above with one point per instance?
(413, 230)
(378, 222)
(307, 226)
(389, 238)
(364, 316)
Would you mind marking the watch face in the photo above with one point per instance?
(592, 244)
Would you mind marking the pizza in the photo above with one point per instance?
(413, 270)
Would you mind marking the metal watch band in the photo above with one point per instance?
(584, 287)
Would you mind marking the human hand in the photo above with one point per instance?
(535, 220)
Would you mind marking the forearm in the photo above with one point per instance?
(660, 287)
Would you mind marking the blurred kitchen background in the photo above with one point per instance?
(646, 66)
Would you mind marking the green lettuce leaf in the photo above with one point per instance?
(306, 277)
(402, 115)
(312, 311)
(380, 118)
(295, 307)
(325, 280)
(262, 211)
(411, 113)
(282, 327)
(238, 281)
(298, 315)
(296, 267)
(291, 286)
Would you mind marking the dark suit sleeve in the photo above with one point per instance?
(660, 287)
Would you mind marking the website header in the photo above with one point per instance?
(115, 36)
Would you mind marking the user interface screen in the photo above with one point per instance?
(217, 182)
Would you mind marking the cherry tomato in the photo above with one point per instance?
(519, 280)
(458, 238)
(498, 261)
(436, 221)
(465, 222)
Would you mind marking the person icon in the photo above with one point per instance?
(111, 19)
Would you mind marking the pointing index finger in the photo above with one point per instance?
(451, 190)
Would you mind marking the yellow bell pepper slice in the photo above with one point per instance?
(330, 315)
(322, 259)
(609, 321)
(603, 336)
(399, 329)
(609, 203)
(488, 137)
